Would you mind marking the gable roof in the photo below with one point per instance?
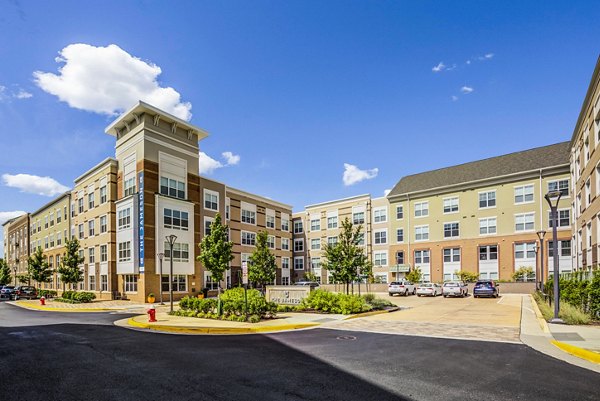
(512, 163)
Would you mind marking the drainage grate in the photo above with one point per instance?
(567, 337)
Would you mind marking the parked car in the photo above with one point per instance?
(401, 287)
(431, 289)
(24, 291)
(312, 284)
(455, 289)
(7, 291)
(486, 288)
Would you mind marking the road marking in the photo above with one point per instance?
(501, 299)
(530, 310)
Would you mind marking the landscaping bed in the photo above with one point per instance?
(76, 297)
(337, 303)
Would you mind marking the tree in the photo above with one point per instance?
(467, 277)
(69, 270)
(262, 262)
(5, 276)
(415, 275)
(523, 273)
(346, 259)
(38, 268)
(215, 251)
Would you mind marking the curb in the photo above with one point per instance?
(538, 313)
(373, 313)
(219, 330)
(52, 309)
(590, 356)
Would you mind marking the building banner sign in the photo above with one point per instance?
(244, 272)
(287, 295)
(141, 220)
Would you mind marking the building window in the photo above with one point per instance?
(525, 250)
(175, 219)
(421, 209)
(103, 224)
(211, 200)
(174, 188)
(381, 237)
(58, 216)
(248, 216)
(129, 188)
(315, 244)
(315, 224)
(487, 226)
(248, 238)
(380, 258)
(399, 212)
(524, 194)
(421, 233)
(271, 241)
(564, 218)
(181, 252)
(451, 230)
(72, 209)
(298, 245)
(422, 256)
(92, 256)
(91, 229)
(52, 241)
(58, 239)
(285, 263)
(299, 263)
(400, 257)
(560, 185)
(358, 218)
(81, 231)
(451, 255)
(380, 215)
(103, 195)
(207, 225)
(451, 205)
(270, 221)
(399, 235)
(92, 280)
(315, 263)
(131, 284)
(298, 227)
(79, 206)
(65, 213)
(360, 239)
(285, 244)
(104, 282)
(179, 283)
(488, 252)
(564, 248)
(124, 218)
(285, 224)
(332, 222)
(487, 199)
(331, 241)
(91, 201)
(125, 251)
(524, 222)
(103, 253)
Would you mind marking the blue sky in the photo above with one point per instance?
(296, 91)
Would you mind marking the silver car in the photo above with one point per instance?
(431, 289)
(455, 289)
(401, 287)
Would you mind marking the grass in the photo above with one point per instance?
(569, 313)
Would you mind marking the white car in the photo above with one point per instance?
(402, 288)
(455, 289)
(431, 289)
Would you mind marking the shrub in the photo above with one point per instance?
(77, 297)
(523, 273)
(254, 319)
(569, 313)
(369, 298)
(325, 301)
(379, 304)
(467, 277)
(46, 293)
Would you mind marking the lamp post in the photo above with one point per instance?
(550, 196)
(171, 240)
(16, 260)
(160, 258)
(541, 235)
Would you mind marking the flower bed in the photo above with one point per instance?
(76, 297)
(338, 303)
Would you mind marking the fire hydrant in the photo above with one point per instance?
(152, 313)
(42, 300)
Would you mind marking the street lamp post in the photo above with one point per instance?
(541, 235)
(554, 217)
(171, 240)
(160, 259)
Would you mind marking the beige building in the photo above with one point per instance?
(16, 244)
(585, 175)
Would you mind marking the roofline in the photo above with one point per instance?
(257, 197)
(53, 201)
(141, 105)
(483, 180)
(586, 101)
(342, 200)
(16, 218)
(96, 167)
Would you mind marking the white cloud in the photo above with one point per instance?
(468, 62)
(34, 184)
(207, 164)
(466, 90)
(386, 192)
(108, 80)
(230, 158)
(5, 216)
(353, 175)
(439, 68)
(487, 56)
(23, 94)
(454, 98)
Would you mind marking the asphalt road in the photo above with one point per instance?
(69, 356)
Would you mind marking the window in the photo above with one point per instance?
(285, 223)
(564, 248)
(380, 215)
(524, 194)
(130, 282)
(103, 195)
(524, 222)
(381, 237)
(51, 219)
(91, 229)
(248, 216)
(285, 263)
(525, 250)
(299, 263)
(422, 256)
(124, 218)
(400, 257)
(564, 218)
(380, 258)
(315, 224)
(52, 241)
(421, 209)
(179, 283)
(209, 282)
(81, 234)
(360, 239)
(400, 235)
(488, 252)
(331, 241)
(271, 241)
(399, 212)
(451, 205)
(129, 189)
(297, 227)
(560, 185)
(487, 226)
(80, 205)
(487, 199)
(248, 238)
(451, 255)
(125, 251)
(175, 219)
(315, 244)
(103, 253)
(58, 216)
(270, 221)
(176, 189)
(181, 252)
(211, 200)
(421, 233)
(91, 201)
(332, 222)
(103, 224)
(207, 225)
(358, 218)
(58, 239)
(72, 209)
(65, 213)
(451, 230)
(298, 245)
(92, 255)
(104, 282)
(315, 263)
(92, 283)
(285, 244)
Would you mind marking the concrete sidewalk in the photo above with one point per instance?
(576, 345)
(95, 306)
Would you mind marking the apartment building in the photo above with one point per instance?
(379, 227)
(94, 225)
(16, 244)
(49, 230)
(481, 217)
(585, 175)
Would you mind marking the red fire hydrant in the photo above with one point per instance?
(42, 300)
(152, 313)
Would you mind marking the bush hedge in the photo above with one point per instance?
(75, 297)
(579, 292)
(46, 293)
(329, 302)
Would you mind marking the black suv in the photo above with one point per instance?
(24, 291)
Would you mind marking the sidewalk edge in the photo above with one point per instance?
(539, 316)
(582, 353)
(52, 309)
(219, 330)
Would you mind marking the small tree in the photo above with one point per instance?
(38, 268)
(523, 273)
(5, 276)
(346, 258)
(310, 276)
(262, 262)
(467, 277)
(69, 265)
(215, 251)
(415, 275)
